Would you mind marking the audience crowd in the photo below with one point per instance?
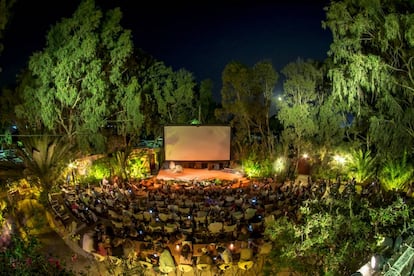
(168, 225)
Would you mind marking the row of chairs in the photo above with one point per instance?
(239, 268)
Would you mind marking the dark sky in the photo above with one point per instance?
(200, 36)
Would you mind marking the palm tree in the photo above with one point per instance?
(361, 166)
(45, 157)
(396, 174)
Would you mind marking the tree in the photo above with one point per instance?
(299, 108)
(78, 74)
(396, 174)
(373, 58)
(171, 93)
(45, 157)
(246, 102)
(265, 79)
(333, 237)
(361, 166)
(205, 102)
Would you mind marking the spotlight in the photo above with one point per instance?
(377, 261)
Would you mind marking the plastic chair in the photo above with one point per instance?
(184, 268)
(225, 267)
(203, 268)
(245, 265)
(215, 227)
(98, 257)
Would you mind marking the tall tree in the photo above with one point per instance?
(246, 99)
(78, 73)
(205, 102)
(373, 70)
(299, 107)
(173, 92)
(235, 101)
(265, 79)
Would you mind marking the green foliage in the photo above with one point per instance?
(333, 236)
(45, 157)
(138, 164)
(396, 174)
(282, 233)
(372, 68)
(6, 139)
(101, 168)
(257, 167)
(361, 165)
(246, 105)
(120, 161)
(205, 102)
(299, 107)
(23, 258)
(173, 93)
(393, 220)
(78, 77)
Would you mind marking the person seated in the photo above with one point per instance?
(117, 247)
(166, 262)
(246, 253)
(264, 247)
(101, 250)
(225, 255)
(186, 255)
(205, 258)
(244, 234)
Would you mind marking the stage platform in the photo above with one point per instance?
(189, 174)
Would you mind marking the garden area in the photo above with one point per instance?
(85, 107)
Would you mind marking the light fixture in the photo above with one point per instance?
(339, 159)
(377, 261)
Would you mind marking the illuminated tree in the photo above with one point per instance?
(265, 79)
(173, 93)
(246, 95)
(333, 237)
(45, 157)
(235, 100)
(373, 58)
(361, 166)
(80, 76)
(299, 108)
(396, 174)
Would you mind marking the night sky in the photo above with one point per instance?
(200, 36)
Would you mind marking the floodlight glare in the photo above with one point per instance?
(377, 262)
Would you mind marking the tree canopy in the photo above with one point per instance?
(373, 66)
(246, 101)
(77, 74)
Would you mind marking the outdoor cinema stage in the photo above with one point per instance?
(190, 174)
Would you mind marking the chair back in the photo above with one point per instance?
(145, 265)
(229, 228)
(245, 265)
(224, 267)
(203, 267)
(215, 227)
(185, 268)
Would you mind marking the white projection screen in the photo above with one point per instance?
(197, 143)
